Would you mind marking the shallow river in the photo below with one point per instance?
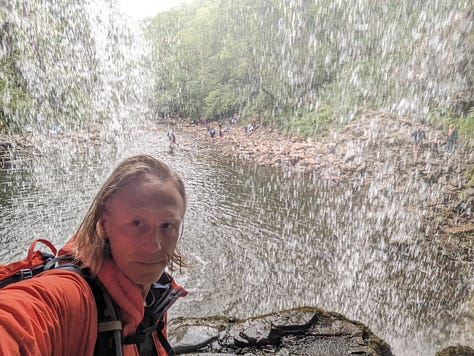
(260, 240)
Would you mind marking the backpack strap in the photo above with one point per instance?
(109, 337)
(164, 341)
(162, 294)
(142, 335)
(25, 273)
(109, 323)
(31, 250)
(46, 261)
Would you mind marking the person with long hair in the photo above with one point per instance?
(126, 241)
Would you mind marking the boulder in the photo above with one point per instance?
(457, 350)
(300, 331)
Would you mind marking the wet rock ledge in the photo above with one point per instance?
(301, 331)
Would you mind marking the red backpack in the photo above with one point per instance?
(34, 263)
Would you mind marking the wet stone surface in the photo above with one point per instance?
(301, 331)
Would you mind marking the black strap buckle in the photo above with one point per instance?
(25, 273)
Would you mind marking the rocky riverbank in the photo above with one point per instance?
(376, 147)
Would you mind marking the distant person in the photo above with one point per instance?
(172, 138)
(452, 138)
(249, 127)
(418, 136)
(434, 147)
(234, 119)
(221, 131)
(55, 129)
(211, 130)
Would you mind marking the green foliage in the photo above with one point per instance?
(293, 64)
(219, 102)
(470, 177)
(308, 122)
(440, 117)
(71, 68)
(13, 95)
(271, 58)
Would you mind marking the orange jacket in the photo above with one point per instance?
(50, 314)
(55, 313)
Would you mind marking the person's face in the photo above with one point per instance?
(142, 224)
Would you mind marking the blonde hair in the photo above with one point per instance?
(90, 240)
